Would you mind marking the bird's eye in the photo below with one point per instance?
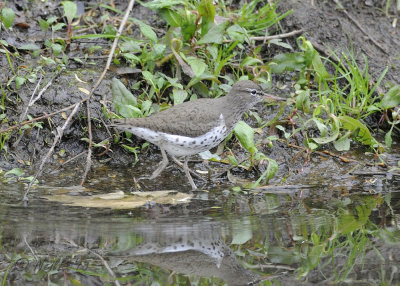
(253, 91)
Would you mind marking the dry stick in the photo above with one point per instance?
(268, 38)
(60, 132)
(359, 26)
(106, 265)
(26, 111)
(280, 36)
(41, 117)
(33, 100)
(114, 46)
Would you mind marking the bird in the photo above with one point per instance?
(194, 126)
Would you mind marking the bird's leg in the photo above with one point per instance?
(193, 173)
(186, 170)
(161, 167)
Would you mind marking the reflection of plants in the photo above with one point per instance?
(341, 246)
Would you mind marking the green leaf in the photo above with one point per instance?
(122, 99)
(159, 4)
(173, 18)
(303, 101)
(57, 49)
(215, 35)
(250, 61)
(237, 33)
(391, 98)
(57, 27)
(287, 62)
(206, 10)
(342, 144)
(146, 30)
(269, 173)
(70, 10)
(29, 47)
(198, 65)
(19, 81)
(149, 77)
(388, 139)
(335, 132)
(245, 134)
(179, 96)
(44, 25)
(16, 171)
(360, 130)
(7, 17)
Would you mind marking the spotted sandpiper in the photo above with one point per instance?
(195, 126)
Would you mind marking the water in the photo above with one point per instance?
(343, 234)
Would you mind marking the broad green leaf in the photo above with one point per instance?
(148, 32)
(146, 106)
(57, 49)
(70, 10)
(342, 144)
(122, 99)
(198, 65)
(356, 127)
(245, 134)
(391, 98)
(7, 17)
(388, 139)
(149, 77)
(287, 62)
(303, 101)
(173, 18)
(44, 25)
(131, 46)
(29, 47)
(335, 132)
(57, 27)
(204, 76)
(237, 33)
(179, 96)
(16, 171)
(250, 61)
(19, 81)
(215, 35)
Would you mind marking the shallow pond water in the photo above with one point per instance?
(342, 233)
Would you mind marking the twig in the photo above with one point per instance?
(280, 36)
(32, 101)
(114, 46)
(107, 266)
(26, 111)
(30, 248)
(268, 38)
(326, 154)
(58, 136)
(70, 159)
(42, 117)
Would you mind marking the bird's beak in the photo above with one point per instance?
(271, 97)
